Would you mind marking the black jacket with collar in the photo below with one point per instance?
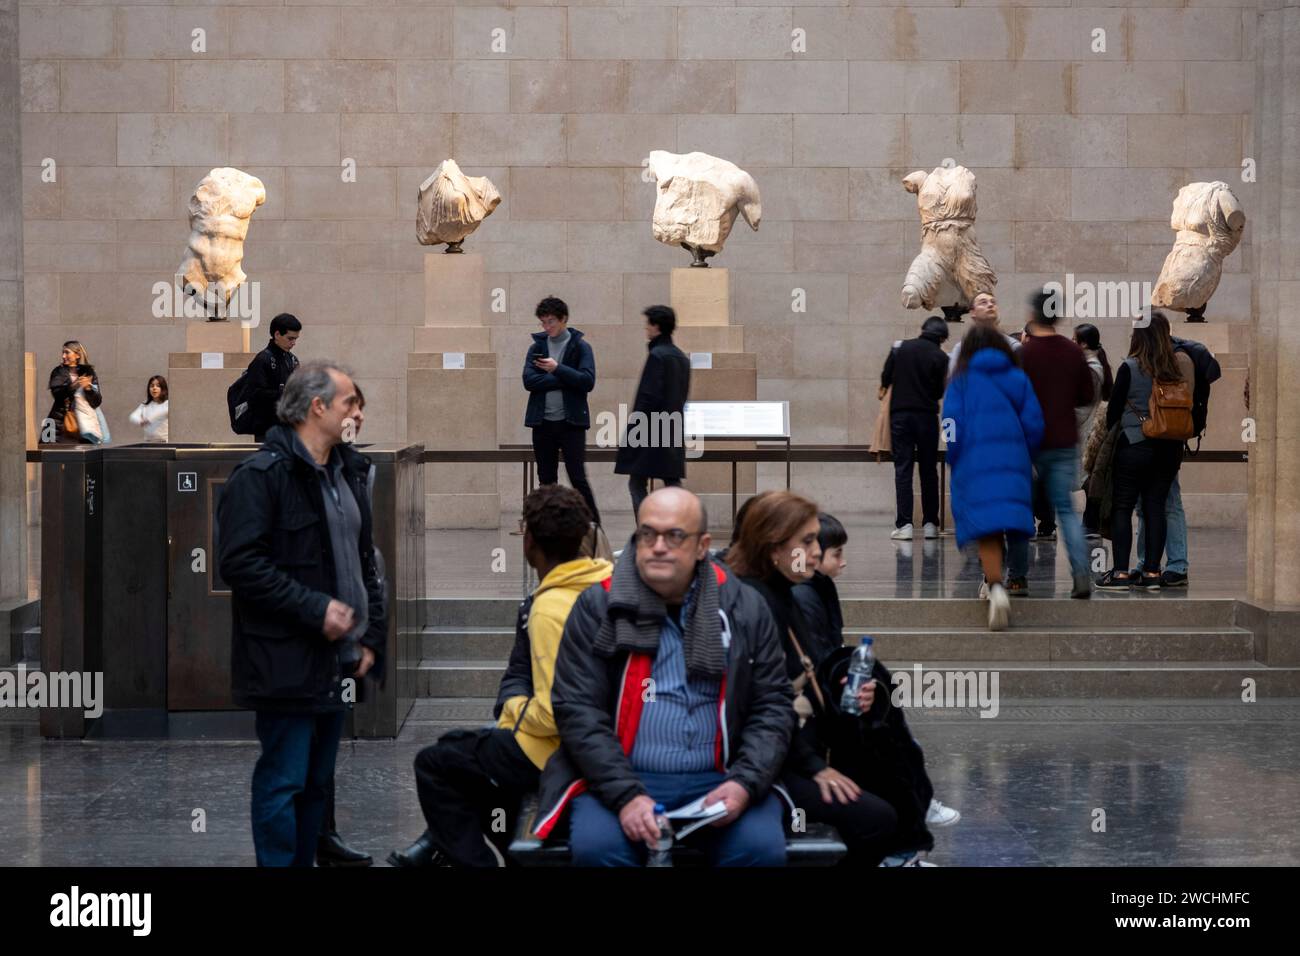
(267, 373)
(598, 700)
(918, 370)
(665, 382)
(274, 552)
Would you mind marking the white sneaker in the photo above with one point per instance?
(931, 532)
(902, 534)
(905, 859)
(999, 608)
(984, 590)
(940, 816)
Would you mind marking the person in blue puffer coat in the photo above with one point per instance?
(992, 424)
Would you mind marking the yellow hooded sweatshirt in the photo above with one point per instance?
(531, 718)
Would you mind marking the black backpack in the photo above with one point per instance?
(1207, 371)
(239, 406)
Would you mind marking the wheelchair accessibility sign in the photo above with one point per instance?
(187, 481)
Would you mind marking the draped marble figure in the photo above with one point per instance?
(451, 205)
(699, 197)
(1208, 222)
(220, 212)
(950, 258)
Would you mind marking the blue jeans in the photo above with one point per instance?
(290, 782)
(1017, 555)
(1175, 537)
(756, 838)
(1058, 469)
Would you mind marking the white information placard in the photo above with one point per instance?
(211, 360)
(757, 420)
(701, 360)
(453, 359)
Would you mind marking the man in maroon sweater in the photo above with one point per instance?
(1062, 381)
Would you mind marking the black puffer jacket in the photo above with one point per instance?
(598, 701)
(276, 556)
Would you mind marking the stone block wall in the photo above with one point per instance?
(1078, 149)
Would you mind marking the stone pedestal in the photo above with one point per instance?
(450, 407)
(702, 300)
(701, 296)
(217, 337)
(196, 405)
(453, 289)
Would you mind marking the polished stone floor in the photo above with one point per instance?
(1184, 783)
(458, 563)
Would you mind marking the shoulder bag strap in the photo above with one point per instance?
(809, 671)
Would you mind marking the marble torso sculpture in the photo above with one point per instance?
(1209, 222)
(451, 205)
(220, 211)
(949, 253)
(698, 199)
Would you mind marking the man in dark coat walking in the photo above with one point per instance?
(296, 548)
(655, 443)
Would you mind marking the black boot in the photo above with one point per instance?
(420, 853)
(332, 851)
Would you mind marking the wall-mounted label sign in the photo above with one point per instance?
(187, 481)
(701, 360)
(453, 359)
(212, 360)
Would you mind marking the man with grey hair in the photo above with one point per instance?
(296, 548)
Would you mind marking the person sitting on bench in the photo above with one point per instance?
(468, 777)
(670, 686)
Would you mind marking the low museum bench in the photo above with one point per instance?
(820, 845)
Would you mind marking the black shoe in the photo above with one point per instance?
(1018, 587)
(1172, 579)
(1111, 581)
(1092, 534)
(420, 853)
(1046, 534)
(1146, 582)
(332, 851)
(1082, 587)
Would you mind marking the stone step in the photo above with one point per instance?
(1084, 679)
(19, 715)
(448, 642)
(1164, 609)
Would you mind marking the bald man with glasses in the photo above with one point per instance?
(669, 686)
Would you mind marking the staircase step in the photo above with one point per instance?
(1105, 610)
(1061, 644)
(458, 642)
(1158, 610)
(1016, 679)
(1118, 679)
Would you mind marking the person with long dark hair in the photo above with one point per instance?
(1143, 467)
(1088, 337)
(993, 426)
(151, 414)
(777, 548)
(75, 388)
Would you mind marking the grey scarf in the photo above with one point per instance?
(636, 614)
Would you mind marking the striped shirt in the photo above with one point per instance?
(678, 732)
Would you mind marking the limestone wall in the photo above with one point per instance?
(1078, 153)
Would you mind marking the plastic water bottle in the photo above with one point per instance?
(662, 852)
(859, 673)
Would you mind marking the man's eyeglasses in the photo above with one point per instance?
(674, 537)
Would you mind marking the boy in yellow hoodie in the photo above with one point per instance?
(470, 782)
